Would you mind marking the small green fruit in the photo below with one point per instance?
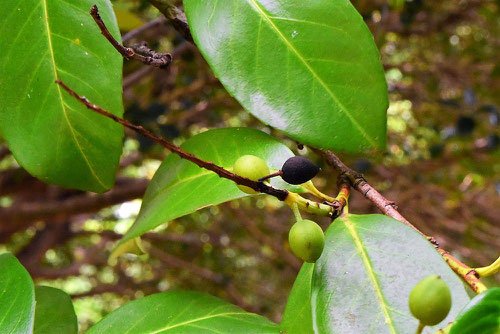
(430, 300)
(306, 240)
(252, 168)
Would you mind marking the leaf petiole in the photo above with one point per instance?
(492, 269)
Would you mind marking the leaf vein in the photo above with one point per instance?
(198, 319)
(72, 130)
(371, 274)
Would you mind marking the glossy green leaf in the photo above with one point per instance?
(54, 137)
(54, 312)
(362, 282)
(297, 318)
(179, 187)
(17, 298)
(182, 312)
(309, 68)
(481, 315)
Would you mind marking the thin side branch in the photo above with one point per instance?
(131, 34)
(222, 172)
(219, 279)
(389, 208)
(175, 16)
(467, 273)
(340, 201)
(358, 182)
(4, 152)
(148, 57)
(23, 214)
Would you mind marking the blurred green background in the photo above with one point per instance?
(441, 166)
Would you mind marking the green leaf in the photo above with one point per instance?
(297, 318)
(310, 69)
(362, 282)
(179, 187)
(182, 312)
(17, 298)
(53, 136)
(54, 312)
(481, 315)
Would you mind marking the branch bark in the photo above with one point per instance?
(22, 215)
(4, 152)
(358, 182)
(14, 180)
(175, 16)
(270, 242)
(173, 261)
(222, 172)
(389, 208)
(141, 52)
(131, 34)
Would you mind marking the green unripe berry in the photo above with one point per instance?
(306, 240)
(430, 300)
(252, 168)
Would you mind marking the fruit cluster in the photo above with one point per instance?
(306, 238)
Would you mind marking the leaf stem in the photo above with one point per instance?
(296, 212)
(420, 328)
(309, 206)
(492, 269)
(267, 177)
(311, 189)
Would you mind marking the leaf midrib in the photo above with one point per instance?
(371, 273)
(179, 182)
(289, 45)
(63, 107)
(198, 319)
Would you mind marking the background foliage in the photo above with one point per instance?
(441, 166)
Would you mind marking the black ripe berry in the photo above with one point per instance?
(465, 125)
(298, 170)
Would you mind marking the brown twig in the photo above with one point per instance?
(133, 33)
(389, 208)
(270, 242)
(138, 75)
(90, 255)
(468, 274)
(106, 288)
(358, 182)
(342, 198)
(4, 152)
(219, 279)
(161, 60)
(23, 214)
(14, 180)
(222, 172)
(175, 16)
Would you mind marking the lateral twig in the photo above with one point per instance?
(133, 33)
(389, 208)
(358, 182)
(340, 201)
(148, 56)
(175, 16)
(222, 172)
